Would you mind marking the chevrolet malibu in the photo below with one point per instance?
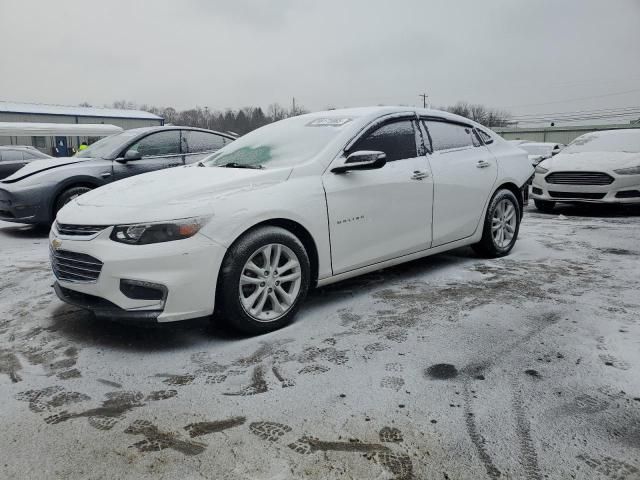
(303, 202)
(598, 167)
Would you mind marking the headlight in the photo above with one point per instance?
(540, 169)
(145, 233)
(629, 171)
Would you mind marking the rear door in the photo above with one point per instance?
(464, 172)
(10, 161)
(197, 144)
(376, 215)
(159, 150)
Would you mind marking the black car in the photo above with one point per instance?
(36, 192)
(14, 157)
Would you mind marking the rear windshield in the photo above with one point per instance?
(619, 141)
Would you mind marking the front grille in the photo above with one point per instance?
(579, 178)
(581, 195)
(78, 230)
(628, 194)
(75, 267)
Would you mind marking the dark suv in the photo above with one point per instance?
(14, 157)
(36, 192)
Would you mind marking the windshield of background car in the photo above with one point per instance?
(105, 148)
(282, 144)
(624, 141)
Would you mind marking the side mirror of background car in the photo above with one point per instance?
(129, 156)
(362, 160)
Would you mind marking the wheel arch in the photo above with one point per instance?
(513, 188)
(73, 182)
(297, 229)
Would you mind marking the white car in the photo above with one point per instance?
(598, 167)
(303, 202)
(539, 151)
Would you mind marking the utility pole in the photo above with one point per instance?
(293, 106)
(424, 99)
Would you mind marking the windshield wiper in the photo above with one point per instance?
(241, 165)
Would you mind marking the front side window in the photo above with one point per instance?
(397, 140)
(194, 141)
(158, 144)
(445, 136)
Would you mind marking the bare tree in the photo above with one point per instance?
(490, 117)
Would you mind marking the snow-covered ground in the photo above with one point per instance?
(449, 367)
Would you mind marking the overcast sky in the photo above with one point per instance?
(526, 56)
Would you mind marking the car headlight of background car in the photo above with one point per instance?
(540, 169)
(628, 171)
(146, 233)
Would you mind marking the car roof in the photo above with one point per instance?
(162, 128)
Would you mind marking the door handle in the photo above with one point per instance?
(483, 164)
(419, 175)
(105, 175)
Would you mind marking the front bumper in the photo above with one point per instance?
(621, 190)
(24, 205)
(187, 269)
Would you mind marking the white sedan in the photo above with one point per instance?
(303, 202)
(598, 167)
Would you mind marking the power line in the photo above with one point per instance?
(575, 99)
(576, 112)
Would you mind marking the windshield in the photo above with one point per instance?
(282, 144)
(619, 141)
(105, 147)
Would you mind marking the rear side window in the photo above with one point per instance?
(11, 156)
(446, 135)
(161, 143)
(397, 140)
(195, 142)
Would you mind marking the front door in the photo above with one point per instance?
(158, 150)
(376, 215)
(464, 172)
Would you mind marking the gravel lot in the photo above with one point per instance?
(451, 367)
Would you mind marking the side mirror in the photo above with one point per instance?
(129, 156)
(362, 160)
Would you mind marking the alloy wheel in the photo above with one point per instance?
(270, 282)
(504, 223)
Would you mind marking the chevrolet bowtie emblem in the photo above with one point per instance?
(56, 244)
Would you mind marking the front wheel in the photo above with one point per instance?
(263, 281)
(68, 195)
(501, 226)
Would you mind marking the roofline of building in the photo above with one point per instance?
(82, 115)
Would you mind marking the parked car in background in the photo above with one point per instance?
(14, 157)
(539, 151)
(598, 167)
(306, 201)
(37, 191)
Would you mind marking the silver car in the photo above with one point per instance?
(36, 192)
(14, 157)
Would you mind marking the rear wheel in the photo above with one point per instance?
(264, 279)
(501, 226)
(69, 194)
(544, 205)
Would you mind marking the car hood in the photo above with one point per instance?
(38, 166)
(166, 195)
(590, 161)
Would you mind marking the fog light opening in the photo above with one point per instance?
(139, 290)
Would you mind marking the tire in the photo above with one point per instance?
(239, 304)
(503, 204)
(67, 195)
(544, 205)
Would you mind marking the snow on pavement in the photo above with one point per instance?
(448, 367)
